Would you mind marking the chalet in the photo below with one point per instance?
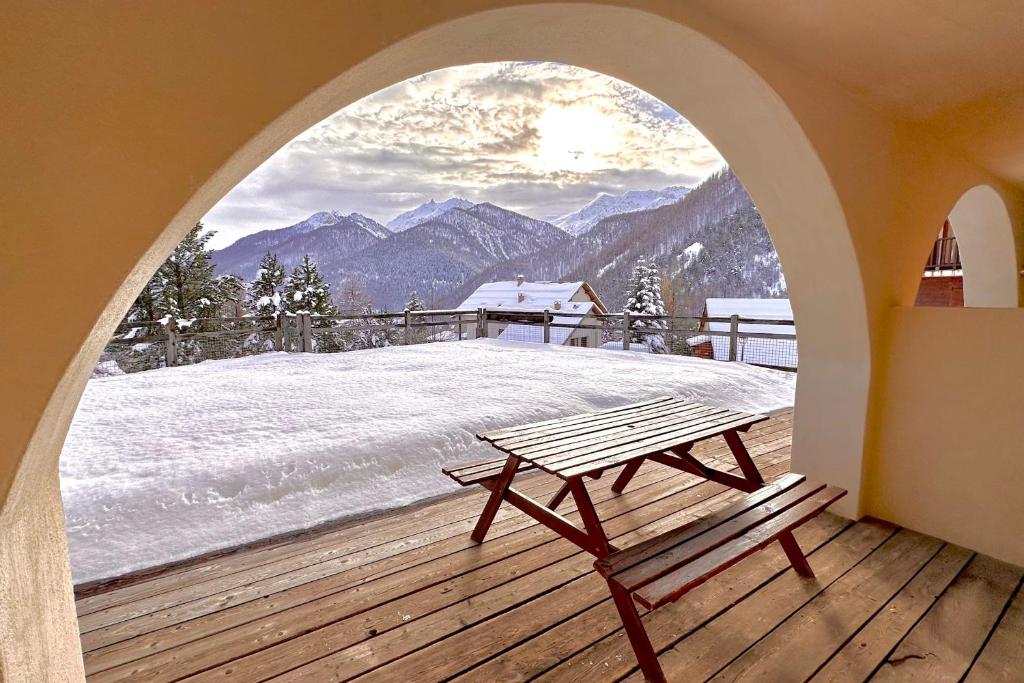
(756, 350)
(515, 310)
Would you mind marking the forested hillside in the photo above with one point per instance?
(710, 243)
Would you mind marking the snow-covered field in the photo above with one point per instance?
(166, 464)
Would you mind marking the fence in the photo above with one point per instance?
(769, 343)
(150, 344)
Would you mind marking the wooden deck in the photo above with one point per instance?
(408, 597)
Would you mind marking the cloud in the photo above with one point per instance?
(537, 137)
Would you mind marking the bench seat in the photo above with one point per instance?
(479, 472)
(662, 569)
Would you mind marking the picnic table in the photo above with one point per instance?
(662, 430)
(658, 570)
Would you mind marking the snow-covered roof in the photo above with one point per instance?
(779, 353)
(535, 333)
(538, 296)
(757, 309)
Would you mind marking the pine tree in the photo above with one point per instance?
(187, 288)
(307, 291)
(183, 287)
(147, 304)
(643, 296)
(265, 296)
(415, 303)
(232, 293)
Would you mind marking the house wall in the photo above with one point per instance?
(126, 122)
(947, 290)
(950, 451)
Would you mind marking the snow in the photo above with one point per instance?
(693, 253)
(505, 294)
(165, 464)
(605, 205)
(425, 212)
(635, 347)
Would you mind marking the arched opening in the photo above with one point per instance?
(651, 190)
(984, 236)
(742, 116)
(973, 261)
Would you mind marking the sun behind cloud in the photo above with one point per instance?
(541, 138)
(577, 137)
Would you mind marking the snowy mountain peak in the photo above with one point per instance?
(368, 224)
(425, 212)
(605, 205)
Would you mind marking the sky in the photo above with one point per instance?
(540, 138)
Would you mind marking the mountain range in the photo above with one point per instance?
(707, 241)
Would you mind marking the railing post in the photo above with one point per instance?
(279, 326)
(734, 326)
(627, 323)
(171, 345)
(547, 326)
(459, 318)
(306, 326)
(407, 337)
(481, 323)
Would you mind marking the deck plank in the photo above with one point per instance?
(504, 545)
(864, 652)
(400, 554)
(1003, 657)
(942, 646)
(406, 595)
(397, 638)
(809, 638)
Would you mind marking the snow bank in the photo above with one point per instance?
(165, 464)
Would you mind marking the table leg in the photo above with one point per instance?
(646, 656)
(743, 458)
(501, 485)
(591, 522)
(559, 496)
(563, 491)
(626, 474)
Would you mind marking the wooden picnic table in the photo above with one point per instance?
(661, 430)
(660, 569)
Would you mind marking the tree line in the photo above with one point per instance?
(184, 289)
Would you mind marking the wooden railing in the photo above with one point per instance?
(147, 344)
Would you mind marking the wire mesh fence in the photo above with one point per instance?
(147, 345)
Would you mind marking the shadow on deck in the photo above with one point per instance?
(408, 596)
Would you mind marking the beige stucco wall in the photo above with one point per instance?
(125, 122)
(950, 456)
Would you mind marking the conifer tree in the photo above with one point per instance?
(187, 287)
(415, 303)
(643, 296)
(147, 304)
(265, 296)
(183, 287)
(307, 291)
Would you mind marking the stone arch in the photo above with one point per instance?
(985, 236)
(722, 95)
